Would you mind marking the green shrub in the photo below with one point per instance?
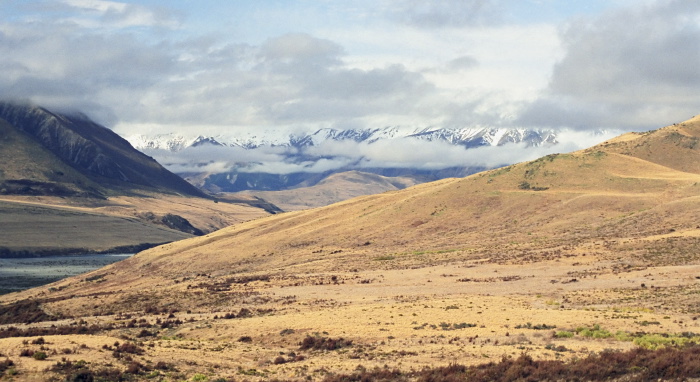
(652, 341)
(623, 336)
(40, 356)
(594, 332)
(564, 334)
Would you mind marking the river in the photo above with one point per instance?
(24, 273)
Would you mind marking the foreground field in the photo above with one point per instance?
(257, 326)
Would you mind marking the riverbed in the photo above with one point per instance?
(24, 273)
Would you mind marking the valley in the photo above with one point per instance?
(567, 257)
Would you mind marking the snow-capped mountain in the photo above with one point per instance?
(466, 137)
(274, 159)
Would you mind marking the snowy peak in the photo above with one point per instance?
(467, 137)
(471, 137)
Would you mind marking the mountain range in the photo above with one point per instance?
(467, 137)
(306, 151)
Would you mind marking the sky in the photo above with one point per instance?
(215, 67)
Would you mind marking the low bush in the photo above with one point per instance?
(323, 343)
(126, 348)
(5, 365)
(26, 311)
(39, 355)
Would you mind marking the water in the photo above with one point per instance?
(25, 273)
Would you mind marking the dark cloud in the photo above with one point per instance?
(635, 68)
(445, 13)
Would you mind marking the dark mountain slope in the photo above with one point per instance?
(92, 150)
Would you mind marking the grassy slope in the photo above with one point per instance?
(49, 224)
(591, 196)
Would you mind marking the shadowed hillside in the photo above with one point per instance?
(93, 151)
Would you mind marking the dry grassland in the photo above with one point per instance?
(46, 224)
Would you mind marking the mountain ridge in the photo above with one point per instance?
(467, 137)
(92, 149)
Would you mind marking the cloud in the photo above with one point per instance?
(101, 14)
(462, 63)
(635, 68)
(57, 66)
(445, 63)
(287, 80)
(445, 13)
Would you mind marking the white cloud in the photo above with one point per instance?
(102, 13)
(332, 155)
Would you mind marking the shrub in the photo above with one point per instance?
(595, 332)
(5, 365)
(160, 365)
(128, 348)
(40, 355)
(134, 368)
(324, 343)
(26, 311)
(145, 333)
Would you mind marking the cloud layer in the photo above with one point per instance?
(332, 155)
(403, 62)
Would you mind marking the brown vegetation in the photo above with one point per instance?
(634, 365)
